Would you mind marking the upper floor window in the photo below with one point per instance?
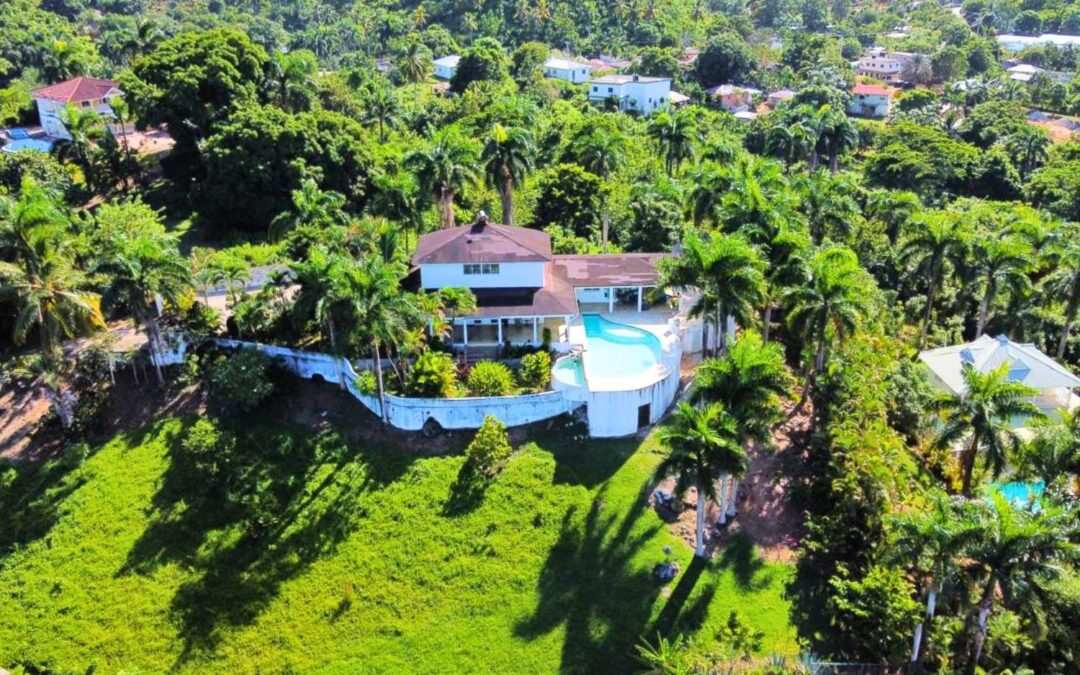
(482, 268)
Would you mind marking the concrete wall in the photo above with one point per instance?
(511, 275)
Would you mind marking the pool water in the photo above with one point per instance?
(570, 371)
(28, 144)
(615, 350)
(1021, 494)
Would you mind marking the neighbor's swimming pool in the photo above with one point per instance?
(615, 350)
(1021, 494)
(28, 144)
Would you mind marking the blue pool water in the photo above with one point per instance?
(28, 144)
(570, 371)
(615, 350)
(1021, 494)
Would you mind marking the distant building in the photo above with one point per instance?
(871, 100)
(1015, 43)
(631, 92)
(880, 63)
(86, 93)
(567, 70)
(733, 98)
(446, 66)
(678, 100)
(777, 97)
(1023, 72)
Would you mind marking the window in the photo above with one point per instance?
(482, 268)
(610, 90)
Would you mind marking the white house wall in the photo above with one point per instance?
(511, 275)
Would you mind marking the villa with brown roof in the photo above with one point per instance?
(88, 93)
(522, 289)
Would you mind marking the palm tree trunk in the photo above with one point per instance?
(931, 603)
(983, 616)
(722, 497)
(507, 194)
(967, 464)
(1065, 330)
(819, 358)
(154, 342)
(930, 292)
(984, 310)
(766, 323)
(446, 207)
(379, 382)
(733, 496)
(699, 537)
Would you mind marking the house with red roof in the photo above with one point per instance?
(871, 100)
(88, 93)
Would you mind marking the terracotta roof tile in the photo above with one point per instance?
(78, 89)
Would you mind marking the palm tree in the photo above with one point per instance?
(828, 203)
(929, 543)
(833, 298)
(1017, 554)
(749, 381)
(602, 152)
(937, 239)
(85, 129)
(676, 136)
(1064, 282)
(382, 109)
(507, 157)
(144, 268)
(415, 64)
(49, 296)
(709, 181)
(917, 70)
(791, 143)
(1027, 147)
(981, 417)
(728, 274)
(31, 225)
(1000, 263)
(291, 78)
(1053, 454)
(456, 301)
(54, 373)
(894, 208)
(312, 207)
(837, 134)
(445, 167)
(702, 444)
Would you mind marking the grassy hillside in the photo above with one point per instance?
(363, 561)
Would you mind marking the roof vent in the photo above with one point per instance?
(1002, 340)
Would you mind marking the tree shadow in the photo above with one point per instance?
(675, 616)
(466, 493)
(747, 566)
(581, 460)
(808, 593)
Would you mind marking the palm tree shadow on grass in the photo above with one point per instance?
(591, 586)
(581, 460)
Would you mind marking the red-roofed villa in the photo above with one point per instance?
(81, 92)
(871, 100)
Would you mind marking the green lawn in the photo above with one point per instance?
(374, 562)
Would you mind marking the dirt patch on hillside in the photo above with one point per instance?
(21, 415)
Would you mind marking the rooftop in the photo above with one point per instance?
(483, 241)
(616, 269)
(77, 90)
(872, 90)
(1027, 364)
(564, 64)
(624, 79)
(450, 61)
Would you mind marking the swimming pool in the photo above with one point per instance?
(1022, 494)
(615, 350)
(570, 371)
(28, 144)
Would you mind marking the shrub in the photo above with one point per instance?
(432, 376)
(490, 447)
(202, 319)
(367, 384)
(489, 378)
(240, 382)
(207, 448)
(535, 372)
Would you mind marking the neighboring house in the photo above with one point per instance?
(522, 290)
(567, 70)
(1016, 43)
(631, 92)
(87, 93)
(446, 66)
(1023, 72)
(1027, 365)
(871, 100)
(689, 56)
(746, 116)
(678, 100)
(732, 98)
(880, 63)
(777, 97)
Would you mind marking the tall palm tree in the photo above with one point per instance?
(1027, 147)
(291, 78)
(601, 152)
(709, 181)
(1053, 454)
(702, 444)
(917, 70)
(833, 298)
(31, 224)
(982, 417)
(1017, 554)
(676, 136)
(726, 271)
(1064, 282)
(936, 240)
(50, 297)
(444, 167)
(507, 157)
(829, 204)
(999, 264)
(415, 64)
(143, 267)
(837, 134)
(749, 381)
(930, 543)
(791, 143)
(893, 208)
(382, 109)
(85, 128)
(311, 207)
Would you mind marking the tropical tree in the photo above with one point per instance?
(936, 240)
(444, 167)
(381, 108)
(834, 297)
(676, 136)
(85, 128)
(837, 134)
(1064, 282)
(142, 267)
(291, 79)
(415, 63)
(725, 271)
(32, 224)
(893, 208)
(1053, 454)
(792, 143)
(1000, 263)
(703, 444)
(602, 152)
(312, 209)
(709, 181)
(917, 70)
(1028, 147)
(507, 157)
(929, 542)
(981, 417)
(1017, 554)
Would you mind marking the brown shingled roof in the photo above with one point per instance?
(618, 269)
(483, 241)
